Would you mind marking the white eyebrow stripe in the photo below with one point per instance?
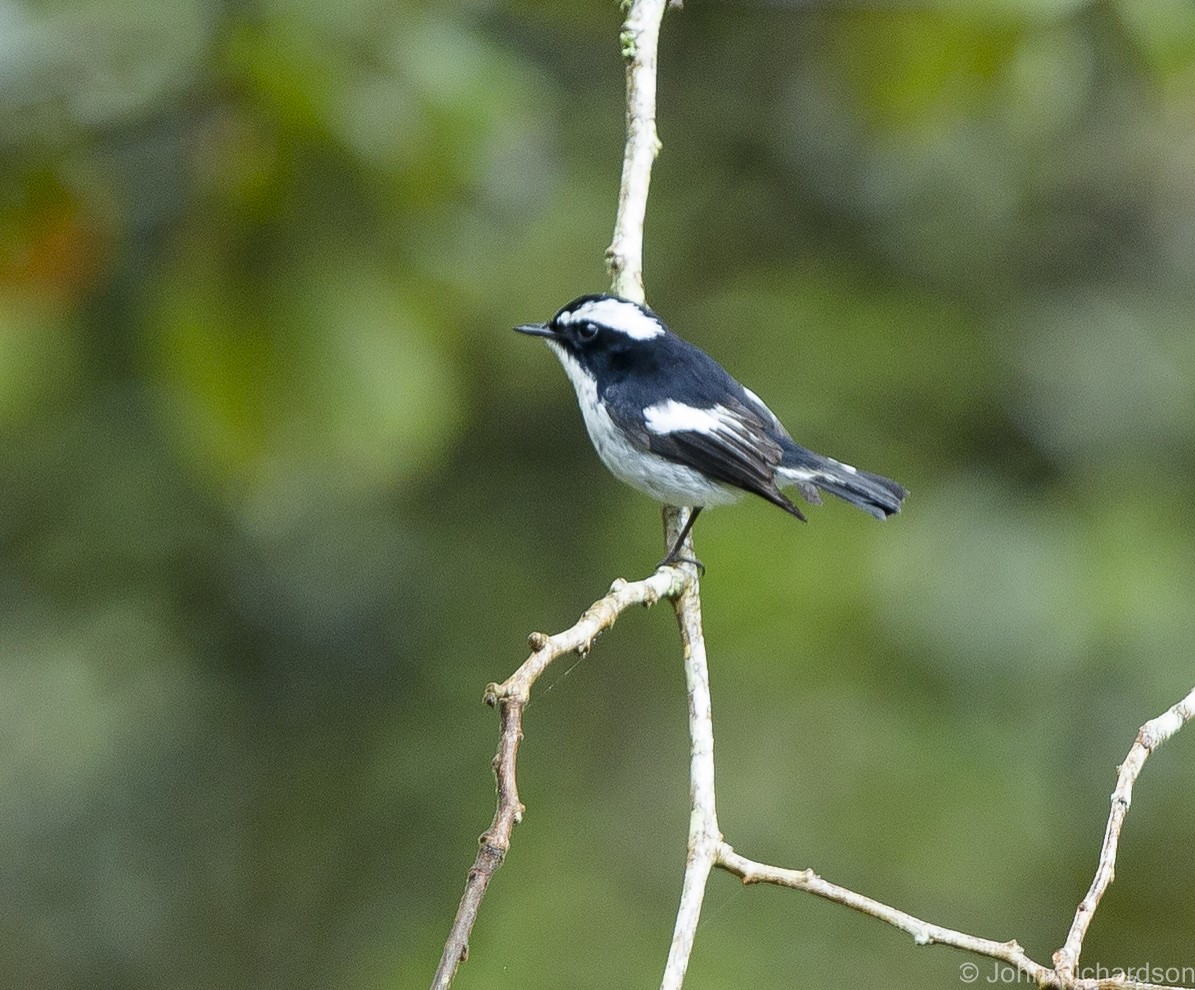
(617, 314)
(676, 417)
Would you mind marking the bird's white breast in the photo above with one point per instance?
(651, 474)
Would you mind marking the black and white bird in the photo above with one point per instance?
(667, 419)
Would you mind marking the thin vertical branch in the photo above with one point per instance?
(640, 40)
(1149, 737)
(494, 842)
(704, 833)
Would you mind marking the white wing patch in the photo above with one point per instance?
(676, 417)
(617, 314)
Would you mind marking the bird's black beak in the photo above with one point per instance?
(535, 330)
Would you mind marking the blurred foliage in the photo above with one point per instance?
(282, 492)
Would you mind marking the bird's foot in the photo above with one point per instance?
(676, 558)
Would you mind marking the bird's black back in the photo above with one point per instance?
(632, 376)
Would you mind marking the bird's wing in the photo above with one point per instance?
(732, 444)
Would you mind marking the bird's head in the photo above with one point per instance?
(595, 331)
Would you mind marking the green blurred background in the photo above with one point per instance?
(282, 492)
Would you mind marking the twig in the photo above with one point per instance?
(704, 834)
(923, 932)
(511, 697)
(640, 42)
(1149, 737)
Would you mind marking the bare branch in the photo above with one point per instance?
(924, 933)
(511, 697)
(1149, 737)
(640, 44)
(704, 834)
(640, 41)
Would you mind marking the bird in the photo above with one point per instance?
(670, 421)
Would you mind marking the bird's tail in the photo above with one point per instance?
(809, 472)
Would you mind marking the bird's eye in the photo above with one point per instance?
(587, 331)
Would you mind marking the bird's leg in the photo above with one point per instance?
(674, 556)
